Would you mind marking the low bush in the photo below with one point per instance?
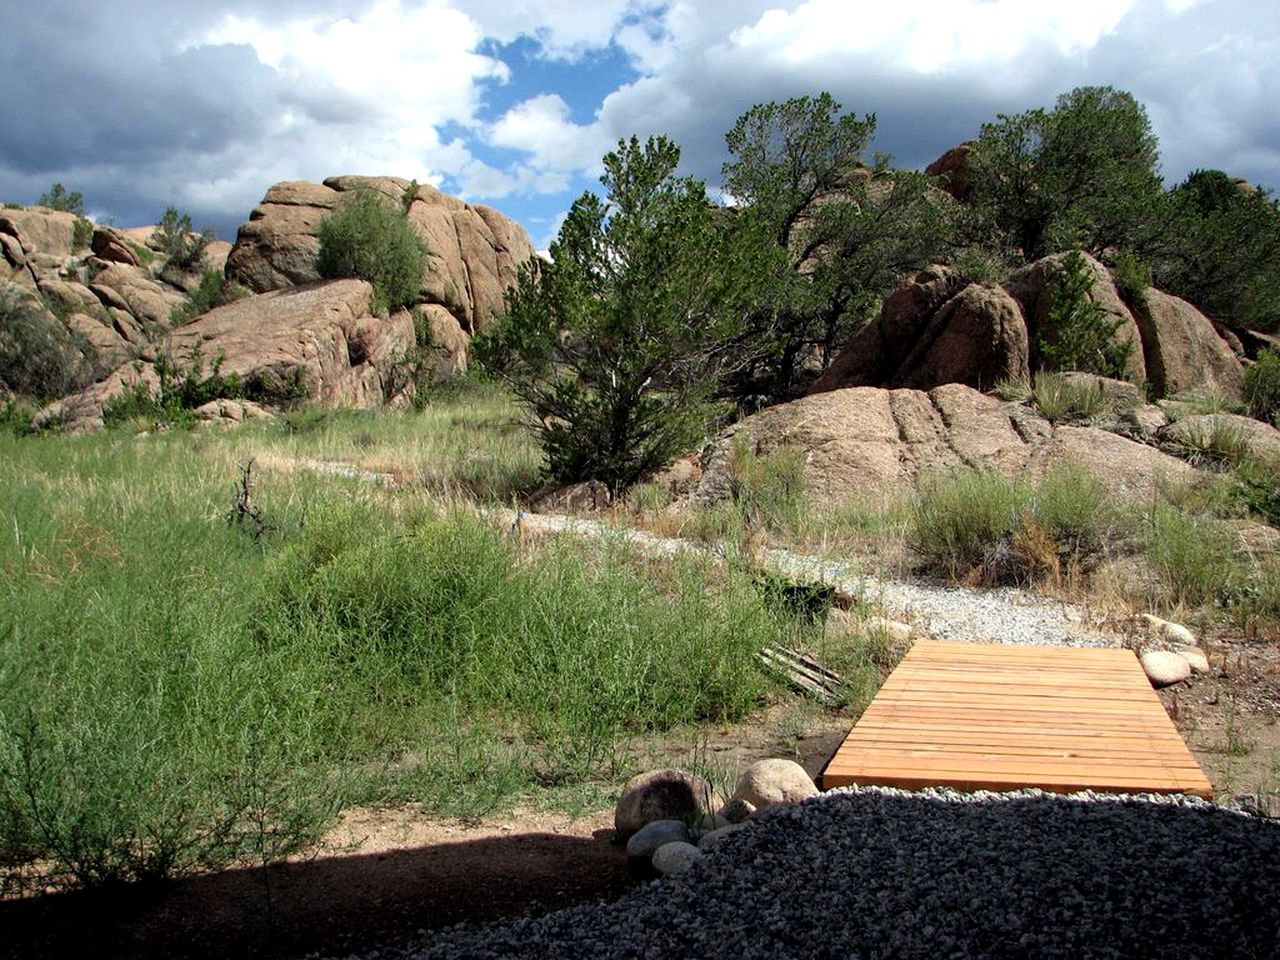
(39, 357)
(1194, 556)
(213, 291)
(179, 242)
(768, 490)
(1262, 387)
(982, 524)
(369, 237)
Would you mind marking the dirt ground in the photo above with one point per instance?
(385, 875)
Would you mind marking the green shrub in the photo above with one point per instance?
(1262, 387)
(1077, 334)
(1132, 277)
(960, 521)
(182, 388)
(1071, 504)
(58, 198)
(368, 237)
(81, 234)
(213, 291)
(1193, 555)
(979, 265)
(768, 490)
(39, 358)
(178, 240)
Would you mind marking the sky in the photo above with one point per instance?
(202, 105)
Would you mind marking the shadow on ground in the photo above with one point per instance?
(331, 906)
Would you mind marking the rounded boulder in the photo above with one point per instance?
(668, 794)
(770, 783)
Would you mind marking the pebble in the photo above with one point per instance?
(645, 841)
(675, 857)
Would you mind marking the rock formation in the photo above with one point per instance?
(936, 329)
(474, 252)
(870, 441)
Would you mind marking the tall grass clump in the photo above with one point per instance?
(981, 523)
(959, 520)
(1062, 399)
(573, 646)
(1262, 387)
(1194, 556)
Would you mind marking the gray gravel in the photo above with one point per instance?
(1003, 615)
(876, 872)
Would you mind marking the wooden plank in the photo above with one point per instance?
(987, 716)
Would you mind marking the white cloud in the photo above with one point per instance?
(541, 127)
(564, 29)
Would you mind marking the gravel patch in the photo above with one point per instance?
(1001, 615)
(878, 872)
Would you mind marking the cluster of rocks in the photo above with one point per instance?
(939, 328)
(117, 293)
(1172, 654)
(294, 336)
(670, 818)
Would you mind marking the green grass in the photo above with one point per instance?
(176, 694)
(1061, 399)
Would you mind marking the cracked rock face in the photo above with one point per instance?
(473, 252)
(868, 441)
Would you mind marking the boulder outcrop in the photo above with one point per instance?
(315, 342)
(474, 252)
(866, 441)
(937, 329)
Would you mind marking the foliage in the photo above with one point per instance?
(1080, 175)
(615, 345)
(181, 389)
(1077, 333)
(369, 237)
(1063, 400)
(1132, 277)
(39, 357)
(843, 234)
(81, 234)
(767, 489)
(213, 291)
(16, 417)
(1007, 530)
(1220, 248)
(1193, 555)
(1262, 387)
(58, 198)
(178, 240)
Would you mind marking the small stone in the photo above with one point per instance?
(1173, 632)
(653, 835)
(1194, 656)
(768, 783)
(737, 810)
(675, 857)
(1164, 668)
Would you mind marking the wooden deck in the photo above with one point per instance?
(984, 717)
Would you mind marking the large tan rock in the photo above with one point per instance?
(1032, 287)
(317, 342)
(1183, 351)
(148, 300)
(112, 245)
(871, 356)
(952, 171)
(40, 230)
(978, 338)
(473, 252)
(866, 441)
